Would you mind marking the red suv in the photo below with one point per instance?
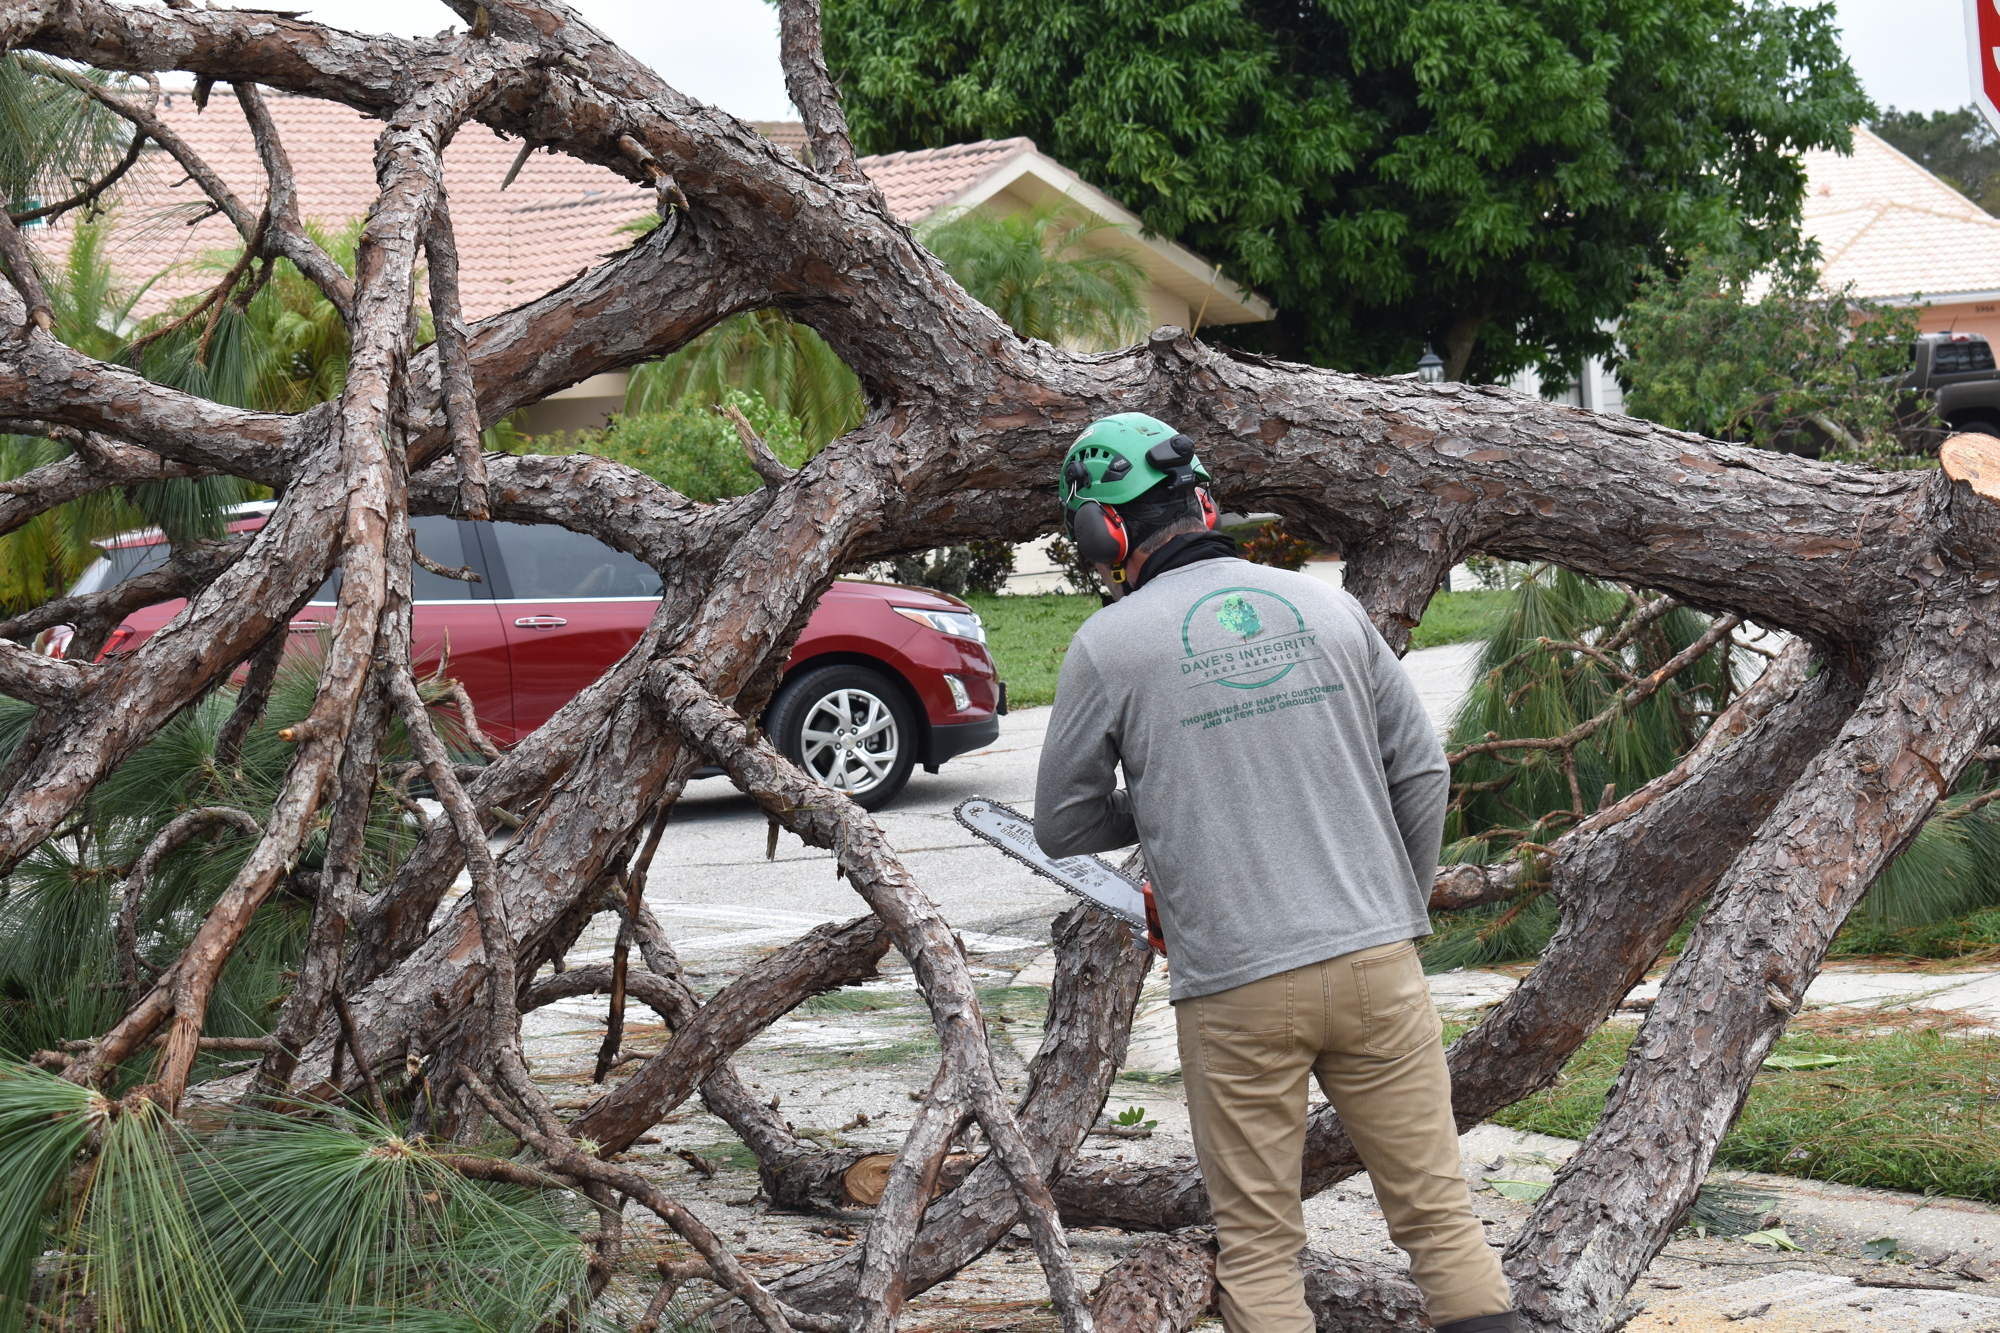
(884, 677)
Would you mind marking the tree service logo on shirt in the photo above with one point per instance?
(1244, 639)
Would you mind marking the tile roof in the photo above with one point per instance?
(918, 183)
(560, 216)
(1894, 230)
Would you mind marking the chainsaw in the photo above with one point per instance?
(1084, 876)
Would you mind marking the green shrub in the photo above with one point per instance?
(689, 446)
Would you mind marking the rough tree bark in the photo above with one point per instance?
(1806, 788)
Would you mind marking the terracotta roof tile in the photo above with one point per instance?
(916, 184)
(1894, 230)
(558, 217)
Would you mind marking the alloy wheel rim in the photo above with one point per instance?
(850, 741)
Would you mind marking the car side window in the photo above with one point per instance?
(438, 538)
(548, 563)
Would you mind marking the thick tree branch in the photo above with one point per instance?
(802, 52)
(47, 682)
(461, 401)
(20, 262)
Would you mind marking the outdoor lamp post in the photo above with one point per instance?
(1430, 369)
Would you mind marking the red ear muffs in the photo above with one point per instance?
(1209, 517)
(1100, 534)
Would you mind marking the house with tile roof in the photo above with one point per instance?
(1901, 236)
(527, 225)
(1886, 225)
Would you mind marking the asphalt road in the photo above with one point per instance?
(720, 898)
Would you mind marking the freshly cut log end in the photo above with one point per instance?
(1461, 886)
(1975, 460)
(867, 1178)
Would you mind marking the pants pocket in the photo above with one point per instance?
(1246, 1030)
(1396, 1010)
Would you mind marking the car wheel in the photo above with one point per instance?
(1977, 426)
(849, 727)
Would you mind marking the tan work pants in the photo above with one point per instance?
(1363, 1024)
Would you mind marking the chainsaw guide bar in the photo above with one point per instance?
(1086, 877)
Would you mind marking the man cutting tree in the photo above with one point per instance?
(1290, 793)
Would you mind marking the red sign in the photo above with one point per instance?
(1982, 40)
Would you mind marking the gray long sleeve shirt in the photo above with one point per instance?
(1279, 769)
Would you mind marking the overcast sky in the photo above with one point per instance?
(1910, 53)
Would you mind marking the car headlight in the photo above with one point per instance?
(963, 624)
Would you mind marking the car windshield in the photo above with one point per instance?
(545, 562)
(120, 563)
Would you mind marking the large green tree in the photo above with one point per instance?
(1489, 175)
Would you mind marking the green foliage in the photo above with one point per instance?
(1975, 935)
(1491, 176)
(979, 566)
(43, 1123)
(1767, 359)
(282, 351)
(54, 140)
(1958, 147)
(1040, 271)
(1078, 576)
(762, 354)
(1950, 869)
(270, 1223)
(1049, 273)
(946, 569)
(689, 446)
(1514, 803)
(1910, 1110)
(1527, 688)
(59, 973)
(277, 344)
(1534, 682)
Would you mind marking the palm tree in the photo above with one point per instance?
(1046, 272)
(765, 353)
(1041, 271)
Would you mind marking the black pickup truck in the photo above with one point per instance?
(1955, 374)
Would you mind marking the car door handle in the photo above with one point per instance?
(541, 622)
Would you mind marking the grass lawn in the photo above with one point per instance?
(1458, 617)
(1907, 1107)
(1028, 635)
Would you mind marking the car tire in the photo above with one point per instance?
(851, 728)
(1977, 426)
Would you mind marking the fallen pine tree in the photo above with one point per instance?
(1779, 820)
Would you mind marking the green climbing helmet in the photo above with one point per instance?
(1118, 459)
